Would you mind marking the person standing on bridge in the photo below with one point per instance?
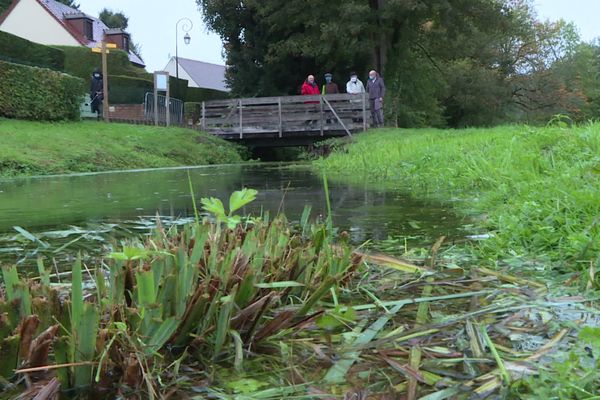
(330, 87)
(310, 87)
(376, 90)
(354, 85)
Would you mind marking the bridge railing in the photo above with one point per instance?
(328, 115)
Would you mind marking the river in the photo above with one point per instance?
(80, 212)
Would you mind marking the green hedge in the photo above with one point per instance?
(80, 61)
(38, 93)
(199, 95)
(128, 90)
(21, 51)
(4, 4)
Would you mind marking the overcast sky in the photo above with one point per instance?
(152, 24)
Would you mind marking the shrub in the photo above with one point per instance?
(22, 51)
(127, 89)
(38, 93)
(80, 61)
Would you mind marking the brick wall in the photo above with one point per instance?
(129, 112)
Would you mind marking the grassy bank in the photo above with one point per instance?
(538, 189)
(37, 148)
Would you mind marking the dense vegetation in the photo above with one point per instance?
(32, 148)
(38, 93)
(22, 51)
(446, 63)
(537, 188)
(235, 307)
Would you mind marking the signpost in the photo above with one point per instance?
(161, 84)
(103, 49)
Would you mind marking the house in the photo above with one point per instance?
(199, 74)
(52, 23)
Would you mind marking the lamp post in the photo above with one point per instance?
(186, 27)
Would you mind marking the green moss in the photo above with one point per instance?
(35, 148)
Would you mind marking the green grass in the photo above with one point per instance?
(537, 189)
(38, 148)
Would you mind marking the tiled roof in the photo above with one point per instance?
(206, 75)
(60, 10)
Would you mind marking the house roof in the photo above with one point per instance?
(206, 75)
(62, 13)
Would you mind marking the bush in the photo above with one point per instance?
(80, 61)
(4, 4)
(199, 95)
(38, 93)
(21, 51)
(128, 90)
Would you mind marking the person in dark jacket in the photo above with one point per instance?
(97, 91)
(376, 90)
(330, 87)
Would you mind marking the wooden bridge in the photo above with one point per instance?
(285, 121)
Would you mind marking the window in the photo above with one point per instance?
(88, 29)
(126, 43)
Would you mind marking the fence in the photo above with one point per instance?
(175, 109)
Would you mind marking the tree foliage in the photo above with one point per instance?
(114, 19)
(446, 62)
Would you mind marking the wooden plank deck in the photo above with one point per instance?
(284, 118)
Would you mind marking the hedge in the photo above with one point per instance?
(128, 90)
(4, 4)
(38, 93)
(21, 51)
(81, 61)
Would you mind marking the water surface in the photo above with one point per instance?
(60, 209)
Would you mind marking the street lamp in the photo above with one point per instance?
(186, 27)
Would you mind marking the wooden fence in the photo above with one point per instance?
(281, 117)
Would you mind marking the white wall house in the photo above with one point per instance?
(52, 23)
(199, 74)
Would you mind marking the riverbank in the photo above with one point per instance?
(41, 148)
(536, 189)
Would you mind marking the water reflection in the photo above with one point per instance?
(58, 203)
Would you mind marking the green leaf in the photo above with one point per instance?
(213, 206)
(162, 335)
(278, 285)
(240, 198)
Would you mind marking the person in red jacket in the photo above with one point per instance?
(310, 88)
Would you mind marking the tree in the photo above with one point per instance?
(446, 62)
(114, 19)
(121, 21)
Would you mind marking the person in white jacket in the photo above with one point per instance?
(354, 85)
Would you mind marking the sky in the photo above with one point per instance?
(152, 24)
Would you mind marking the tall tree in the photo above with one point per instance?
(446, 62)
(119, 20)
(114, 19)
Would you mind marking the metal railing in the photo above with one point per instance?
(175, 109)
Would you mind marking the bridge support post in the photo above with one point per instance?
(241, 119)
(280, 117)
(321, 119)
(364, 111)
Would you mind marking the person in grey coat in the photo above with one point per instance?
(376, 90)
